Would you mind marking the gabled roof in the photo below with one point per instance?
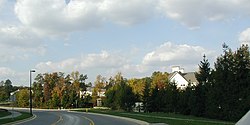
(189, 77)
(171, 75)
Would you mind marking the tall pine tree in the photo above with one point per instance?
(201, 90)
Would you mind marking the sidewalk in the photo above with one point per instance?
(13, 114)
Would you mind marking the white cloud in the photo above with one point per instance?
(5, 72)
(104, 63)
(135, 70)
(14, 36)
(169, 54)
(17, 42)
(245, 36)
(1, 4)
(64, 66)
(101, 61)
(128, 12)
(6, 57)
(109, 63)
(55, 16)
(17, 78)
(12, 53)
(193, 12)
(59, 17)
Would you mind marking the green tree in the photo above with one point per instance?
(22, 98)
(146, 93)
(242, 86)
(138, 86)
(159, 79)
(82, 80)
(110, 98)
(201, 89)
(55, 101)
(186, 100)
(8, 87)
(174, 96)
(120, 96)
(231, 83)
(38, 91)
(157, 102)
(3, 94)
(65, 101)
(100, 84)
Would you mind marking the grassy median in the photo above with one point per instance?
(4, 113)
(23, 115)
(168, 118)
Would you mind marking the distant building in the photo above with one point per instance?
(138, 107)
(13, 95)
(99, 102)
(89, 92)
(181, 78)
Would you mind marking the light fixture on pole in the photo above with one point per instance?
(30, 90)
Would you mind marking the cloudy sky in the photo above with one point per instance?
(135, 37)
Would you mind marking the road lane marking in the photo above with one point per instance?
(60, 119)
(91, 121)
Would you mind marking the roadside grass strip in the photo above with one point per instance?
(180, 119)
(4, 113)
(168, 118)
(20, 119)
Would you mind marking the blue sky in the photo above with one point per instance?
(104, 37)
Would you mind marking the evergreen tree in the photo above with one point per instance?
(242, 86)
(231, 83)
(120, 96)
(8, 87)
(201, 89)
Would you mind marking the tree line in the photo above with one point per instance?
(57, 90)
(222, 92)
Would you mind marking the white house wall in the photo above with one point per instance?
(179, 80)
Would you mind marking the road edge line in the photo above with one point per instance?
(60, 119)
(21, 121)
(90, 120)
(140, 122)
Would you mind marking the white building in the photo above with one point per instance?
(181, 78)
(89, 92)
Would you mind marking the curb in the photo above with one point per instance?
(140, 122)
(21, 121)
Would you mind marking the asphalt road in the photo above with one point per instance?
(73, 118)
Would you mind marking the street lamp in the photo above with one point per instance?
(30, 90)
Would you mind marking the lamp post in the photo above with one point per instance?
(30, 90)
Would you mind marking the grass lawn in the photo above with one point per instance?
(23, 115)
(168, 118)
(4, 113)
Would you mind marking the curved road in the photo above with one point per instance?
(74, 118)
